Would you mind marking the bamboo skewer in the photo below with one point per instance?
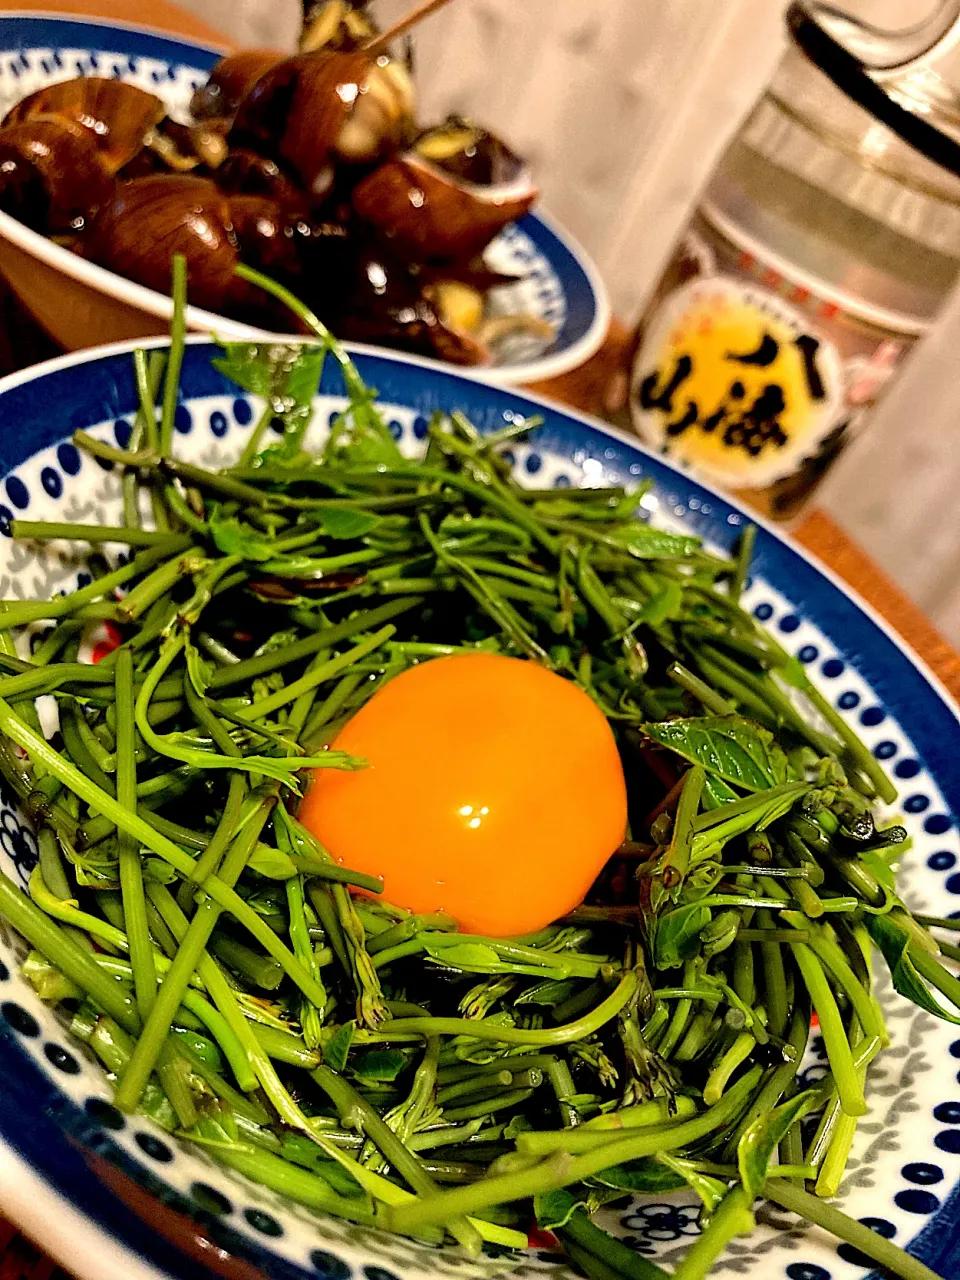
(379, 43)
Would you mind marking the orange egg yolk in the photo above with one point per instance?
(494, 792)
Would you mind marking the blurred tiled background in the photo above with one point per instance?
(622, 107)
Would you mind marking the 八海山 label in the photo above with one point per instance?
(734, 382)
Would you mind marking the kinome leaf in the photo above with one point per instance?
(733, 748)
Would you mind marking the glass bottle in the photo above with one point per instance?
(820, 252)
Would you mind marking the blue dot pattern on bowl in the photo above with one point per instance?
(916, 1201)
(922, 1173)
(61, 1058)
(210, 1199)
(942, 860)
(263, 1222)
(937, 825)
(154, 1147)
(328, 1266)
(17, 492)
(105, 1113)
(20, 1019)
(68, 456)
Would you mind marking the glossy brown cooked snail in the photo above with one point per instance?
(315, 108)
(243, 172)
(117, 116)
(230, 81)
(295, 111)
(51, 175)
(449, 195)
(148, 220)
(380, 298)
(308, 256)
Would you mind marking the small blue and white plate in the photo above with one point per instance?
(82, 304)
(113, 1198)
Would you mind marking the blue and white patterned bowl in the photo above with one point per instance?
(82, 304)
(114, 1199)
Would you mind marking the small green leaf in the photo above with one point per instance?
(272, 863)
(792, 673)
(519, 1124)
(198, 669)
(462, 955)
(287, 376)
(881, 869)
(676, 936)
(710, 1190)
(345, 522)
(547, 993)
(761, 1138)
(894, 943)
(278, 641)
(158, 871)
(236, 539)
(663, 605)
(716, 792)
(301, 1151)
(649, 543)
(338, 1047)
(738, 750)
(302, 380)
(554, 1209)
(360, 436)
(646, 1175)
(379, 1064)
(249, 365)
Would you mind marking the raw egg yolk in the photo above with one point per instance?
(494, 792)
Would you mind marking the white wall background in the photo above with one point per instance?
(622, 107)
